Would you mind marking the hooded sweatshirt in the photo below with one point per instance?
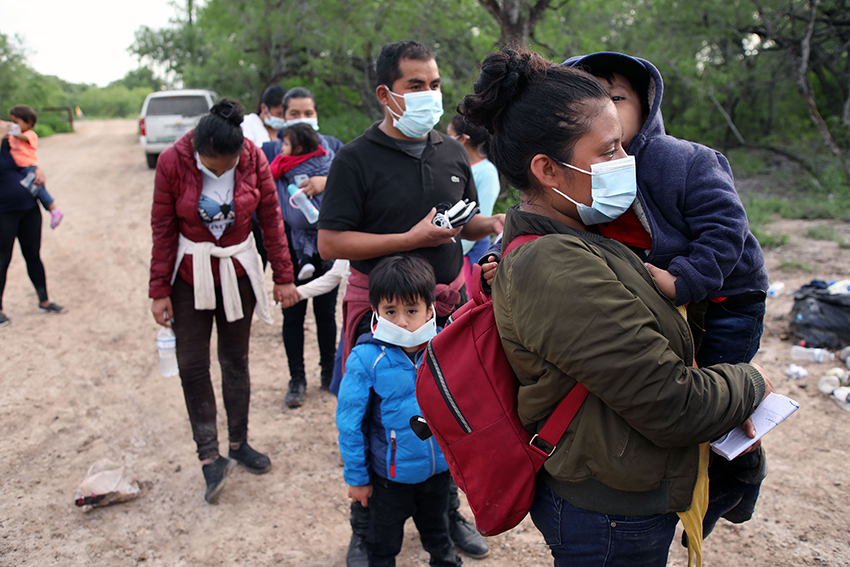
(688, 204)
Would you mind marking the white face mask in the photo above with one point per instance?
(206, 171)
(422, 111)
(391, 333)
(274, 122)
(613, 190)
(312, 121)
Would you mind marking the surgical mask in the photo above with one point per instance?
(613, 190)
(274, 122)
(312, 121)
(422, 111)
(391, 333)
(206, 171)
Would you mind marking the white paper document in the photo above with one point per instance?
(770, 413)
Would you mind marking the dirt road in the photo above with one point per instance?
(85, 386)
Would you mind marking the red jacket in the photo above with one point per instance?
(177, 190)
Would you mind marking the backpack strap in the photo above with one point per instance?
(519, 241)
(563, 415)
(568, 407)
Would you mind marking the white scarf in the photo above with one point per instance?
(249, 258)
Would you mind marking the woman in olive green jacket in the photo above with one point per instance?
(573, 306)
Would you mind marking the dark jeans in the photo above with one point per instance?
(732, 335)
(580, 538)
(324, 309)
(393, 503)
(26, 227)
(193, 329)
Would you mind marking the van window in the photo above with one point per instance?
(178, 105)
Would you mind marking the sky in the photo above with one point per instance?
(84, 41)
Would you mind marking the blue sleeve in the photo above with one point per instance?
(487, 183)
(717, 220)
(351, 415)
(330, 143)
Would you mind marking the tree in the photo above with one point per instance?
(517, 18)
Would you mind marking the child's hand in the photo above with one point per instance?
(665, 281)
(488, 270)
(360, 494)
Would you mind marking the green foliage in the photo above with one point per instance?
(794, 265)
(822, 232)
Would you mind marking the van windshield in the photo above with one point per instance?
(177, 105)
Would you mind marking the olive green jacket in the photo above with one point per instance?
(576, 306)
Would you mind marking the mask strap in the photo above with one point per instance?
(572, 167)
(568, 198)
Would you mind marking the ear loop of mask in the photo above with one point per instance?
(564, 195)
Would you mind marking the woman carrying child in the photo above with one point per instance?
(296, 156)
(575, 307)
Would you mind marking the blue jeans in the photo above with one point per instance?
(38, 191)
(732, 334)
(579, 538)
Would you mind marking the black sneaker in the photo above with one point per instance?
(254, 461)
(51, 308)
(356, 556)
(215, 473)
(466, 538)
(295, 395)
(4, 320)
(327, 378)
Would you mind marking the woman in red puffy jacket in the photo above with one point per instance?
(205, 267)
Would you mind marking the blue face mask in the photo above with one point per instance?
(274, 122)
(422, 111)
(312, 121)
(613, 190)
(208, 172)
(391, 333)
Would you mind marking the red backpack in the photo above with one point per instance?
(467, 392)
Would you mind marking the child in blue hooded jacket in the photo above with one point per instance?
(388, 469)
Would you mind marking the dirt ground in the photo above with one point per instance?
(86, 386)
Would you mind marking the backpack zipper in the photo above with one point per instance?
(444, 389)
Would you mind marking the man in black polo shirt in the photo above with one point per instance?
(380, 199)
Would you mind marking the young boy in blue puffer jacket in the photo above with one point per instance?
(388, 469)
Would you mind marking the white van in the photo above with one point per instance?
(167, 115)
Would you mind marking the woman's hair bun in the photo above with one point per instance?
(228, 109)
(504, 75)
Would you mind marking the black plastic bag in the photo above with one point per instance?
(821, 318)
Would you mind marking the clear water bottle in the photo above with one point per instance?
(775, 289)
(811, 354)
(302, 202)
(166, 344)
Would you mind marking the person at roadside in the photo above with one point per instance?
(20, 219)
(23, 143)
(476, 141)
(381, 198)
(695, 238)
(388, 469)
(575, 307)
(301, 153)
(262, 126)
(205, 268)
(299, 107)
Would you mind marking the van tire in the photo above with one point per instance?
(152, 160)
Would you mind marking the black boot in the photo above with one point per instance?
(357, 555)
(215, 474)
(465, 537)
(295, 395)
(253, 461)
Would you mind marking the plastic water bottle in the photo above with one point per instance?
(841, 396)
(166, 344)
(775, 289)
(302, 202)
(811, 354)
